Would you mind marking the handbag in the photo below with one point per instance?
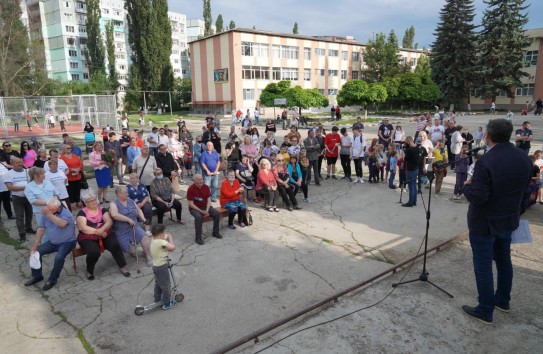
(83, 184)
(223, 166)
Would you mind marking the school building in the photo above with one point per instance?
(532, 85)
(230, 69)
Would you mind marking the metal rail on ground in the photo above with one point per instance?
(254, 336)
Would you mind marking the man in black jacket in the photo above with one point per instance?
(412, 158)
(497, 194)
(166, 162)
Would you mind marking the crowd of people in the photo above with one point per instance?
(50, 186)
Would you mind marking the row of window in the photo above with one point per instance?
(249, 94)
(263, 73)
(262, 50)
(530, 59)
(524, 90)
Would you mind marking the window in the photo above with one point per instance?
(70, 41)
(525, 90)
(321, 91)
(70, 29)
(122, 67)
(85, 76)
(276, 74)
(118, 34)
(75, 77)
(307, 74)
(81, 5)
(67, 3)
(276, 51)
(255, 49)
(332, 53)
(289, 52)
(117, 12)
(332, 72)
(105, 11)
(175, 42)
(184, 71)
(403, 60)
(285, 74)
(344, 55)
(122, 77)
(82, 29)
(120, 45)
(255, 72)
(319, 72)
(356, 56)
(120, 56)
(121, 88)
(502, 93)
(474, 92)
(177, 71)
(343, 74)
(176, 61)
(355, 75)
(68, 15)
(320, 52)
(332, 92)
(74, 65)
(531, 58)
(83, 41)
(117, 23)
(248, 94)
(413, 62)
(307, 53)
(72, 53)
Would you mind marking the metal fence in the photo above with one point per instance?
(100, 111)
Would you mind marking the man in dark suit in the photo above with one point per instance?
(497, 194)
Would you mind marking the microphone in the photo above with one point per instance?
(476, 150)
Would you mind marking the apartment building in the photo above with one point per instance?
(532, 84)
(230, 69)
(179, 57)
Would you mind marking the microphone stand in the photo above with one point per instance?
(424, 274)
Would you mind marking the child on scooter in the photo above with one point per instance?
(161, 245)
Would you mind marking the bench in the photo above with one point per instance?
(77, 252)
(223, 213)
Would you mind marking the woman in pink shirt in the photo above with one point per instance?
(28, 155)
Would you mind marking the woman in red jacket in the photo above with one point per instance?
(266, 185)
(230, 198)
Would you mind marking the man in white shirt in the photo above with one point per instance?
(437, 131)
(152, 141)
(53, 155)
(358, 150)
(16, 180)
(163, 138)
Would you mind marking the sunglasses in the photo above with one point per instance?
(7, 145)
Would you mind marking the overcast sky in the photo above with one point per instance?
(357, 18)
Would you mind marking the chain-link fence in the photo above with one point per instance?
(48, 111)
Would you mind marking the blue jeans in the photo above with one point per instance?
(486, 248)
(62, 251)
(391, 178)
(412, 185)
(197, 167)
(213, 183)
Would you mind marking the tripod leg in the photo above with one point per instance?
(405, 282)
(437, 287)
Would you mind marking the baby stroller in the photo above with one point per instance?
(89, 141)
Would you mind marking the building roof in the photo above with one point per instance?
(329, 39)
(535, 33)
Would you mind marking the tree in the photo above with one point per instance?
(453, 52)
(296, 96)
(150, 38)
(208, 30)
(232, 24)
(16, 61)
(219, 25)
(95, 47)
(295, 28)
(110, 48)
(353, 93)
(393, 39)
(382, 59)
(377, 93)
(409, 38)
(501, 46)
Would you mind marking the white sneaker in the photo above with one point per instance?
(307, 200)
(361, 180)
(356, 180)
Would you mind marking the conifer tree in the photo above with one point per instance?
(501, 46)
(409, 38)
(219, 24)
(95, 54)
(295, 28)
(232, 24)
(453, 52)
(208, 30)
(113, 78)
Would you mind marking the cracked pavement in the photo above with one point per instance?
(253, 276)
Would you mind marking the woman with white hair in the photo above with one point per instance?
(266, 185)
(139, 194)
(125, 214)
(95, 235)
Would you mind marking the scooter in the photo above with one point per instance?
(179, 297)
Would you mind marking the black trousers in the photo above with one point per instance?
(288, 195)
(319, 165)
(346, 164)
(241, 217)
(358, 166)
(313, 165)
(5, 199)
(93, 251)
(161, 209)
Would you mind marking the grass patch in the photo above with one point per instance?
(85, 342)
(325, 240)
(7, 240)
